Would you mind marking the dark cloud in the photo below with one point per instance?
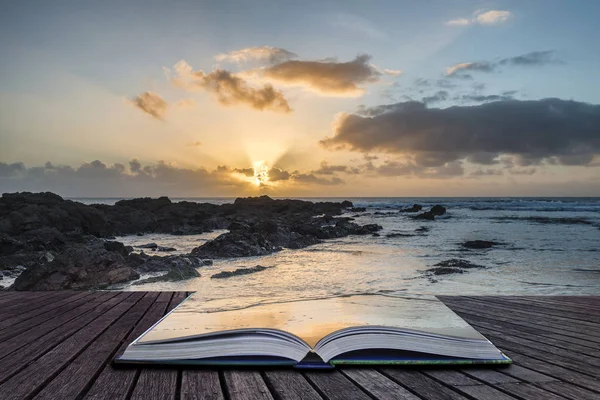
(411, 168)
(532, 59)
(230, 89)
(440, 95)
(329, 78)
(481, 98)
(97, 179)
(11, 169)
(312, 179)
(277, 174)
(535, 58)
(328, 169)
(568, 132)
(267, 54)
(486, 172)
(524, 171)
(152, 104)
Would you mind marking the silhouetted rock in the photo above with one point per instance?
(427, 215)
(399, 234)
(422, 229)
(479, 244)
(358, 209)
(179, 268)
(165, 248)
(235, 244)
(147, 246)
(414, 208)
(438, 210)
(77, 267)
(118, 247)
(453, 266)
(239, 271)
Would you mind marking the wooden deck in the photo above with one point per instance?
(59, 345)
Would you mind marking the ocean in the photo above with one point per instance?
(549, 246)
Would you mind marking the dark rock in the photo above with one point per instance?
(168, 263)
(358, 209)
(165, 249)
(438, 210)
(399, 234)
(147, 246)
(347, 204)
(179, 268)
(427, 215)
(414, 208)
(139, 234)
(422, 229)
(235, 244)
(77, 267)
(118, 247)
(239, 271)
(9, 245)
(453, 266)
(479, 244)
(457, 263)
(376, 235)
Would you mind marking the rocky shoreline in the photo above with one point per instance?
(49, 243)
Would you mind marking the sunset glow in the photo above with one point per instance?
(451, 100)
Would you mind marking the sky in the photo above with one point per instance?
(314, 98)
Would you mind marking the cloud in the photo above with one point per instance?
(492, 17)
(230, 89)
(194, 144)
(440, 95)
(411, 168)
(97, 179)
(327, 78)
(151, 103)
(534, 58)
(469, 66)
(392, 72)
(312, 179)
(327, 169)
(267, 54)
(481, 98)
(486, 172)
(548, 130)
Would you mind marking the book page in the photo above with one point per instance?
(312, 320)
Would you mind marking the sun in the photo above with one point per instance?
(261, 173)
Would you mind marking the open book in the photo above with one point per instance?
(357, 329)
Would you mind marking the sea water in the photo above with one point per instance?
(550, 246)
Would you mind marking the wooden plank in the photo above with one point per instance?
(28, 303)
(289, 385)
(34, 377)
(540, 309)
(72, 381)
(14, 322)
(162, 381)
(542, 326)
(8, 346)
(422, 385)
(569, 391)
(377, 385)
(526, 374)
(527, 391)
(451, 377)
(584, 326)
(523, 326)
(555, 355)
(201, 385)
(555, 371)
(246, 385)
(155, 383)
(540, 303)
(16, 361)
(564, 342)
(490, 376)
(482, 392)
(332, 385)
(117, 383)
